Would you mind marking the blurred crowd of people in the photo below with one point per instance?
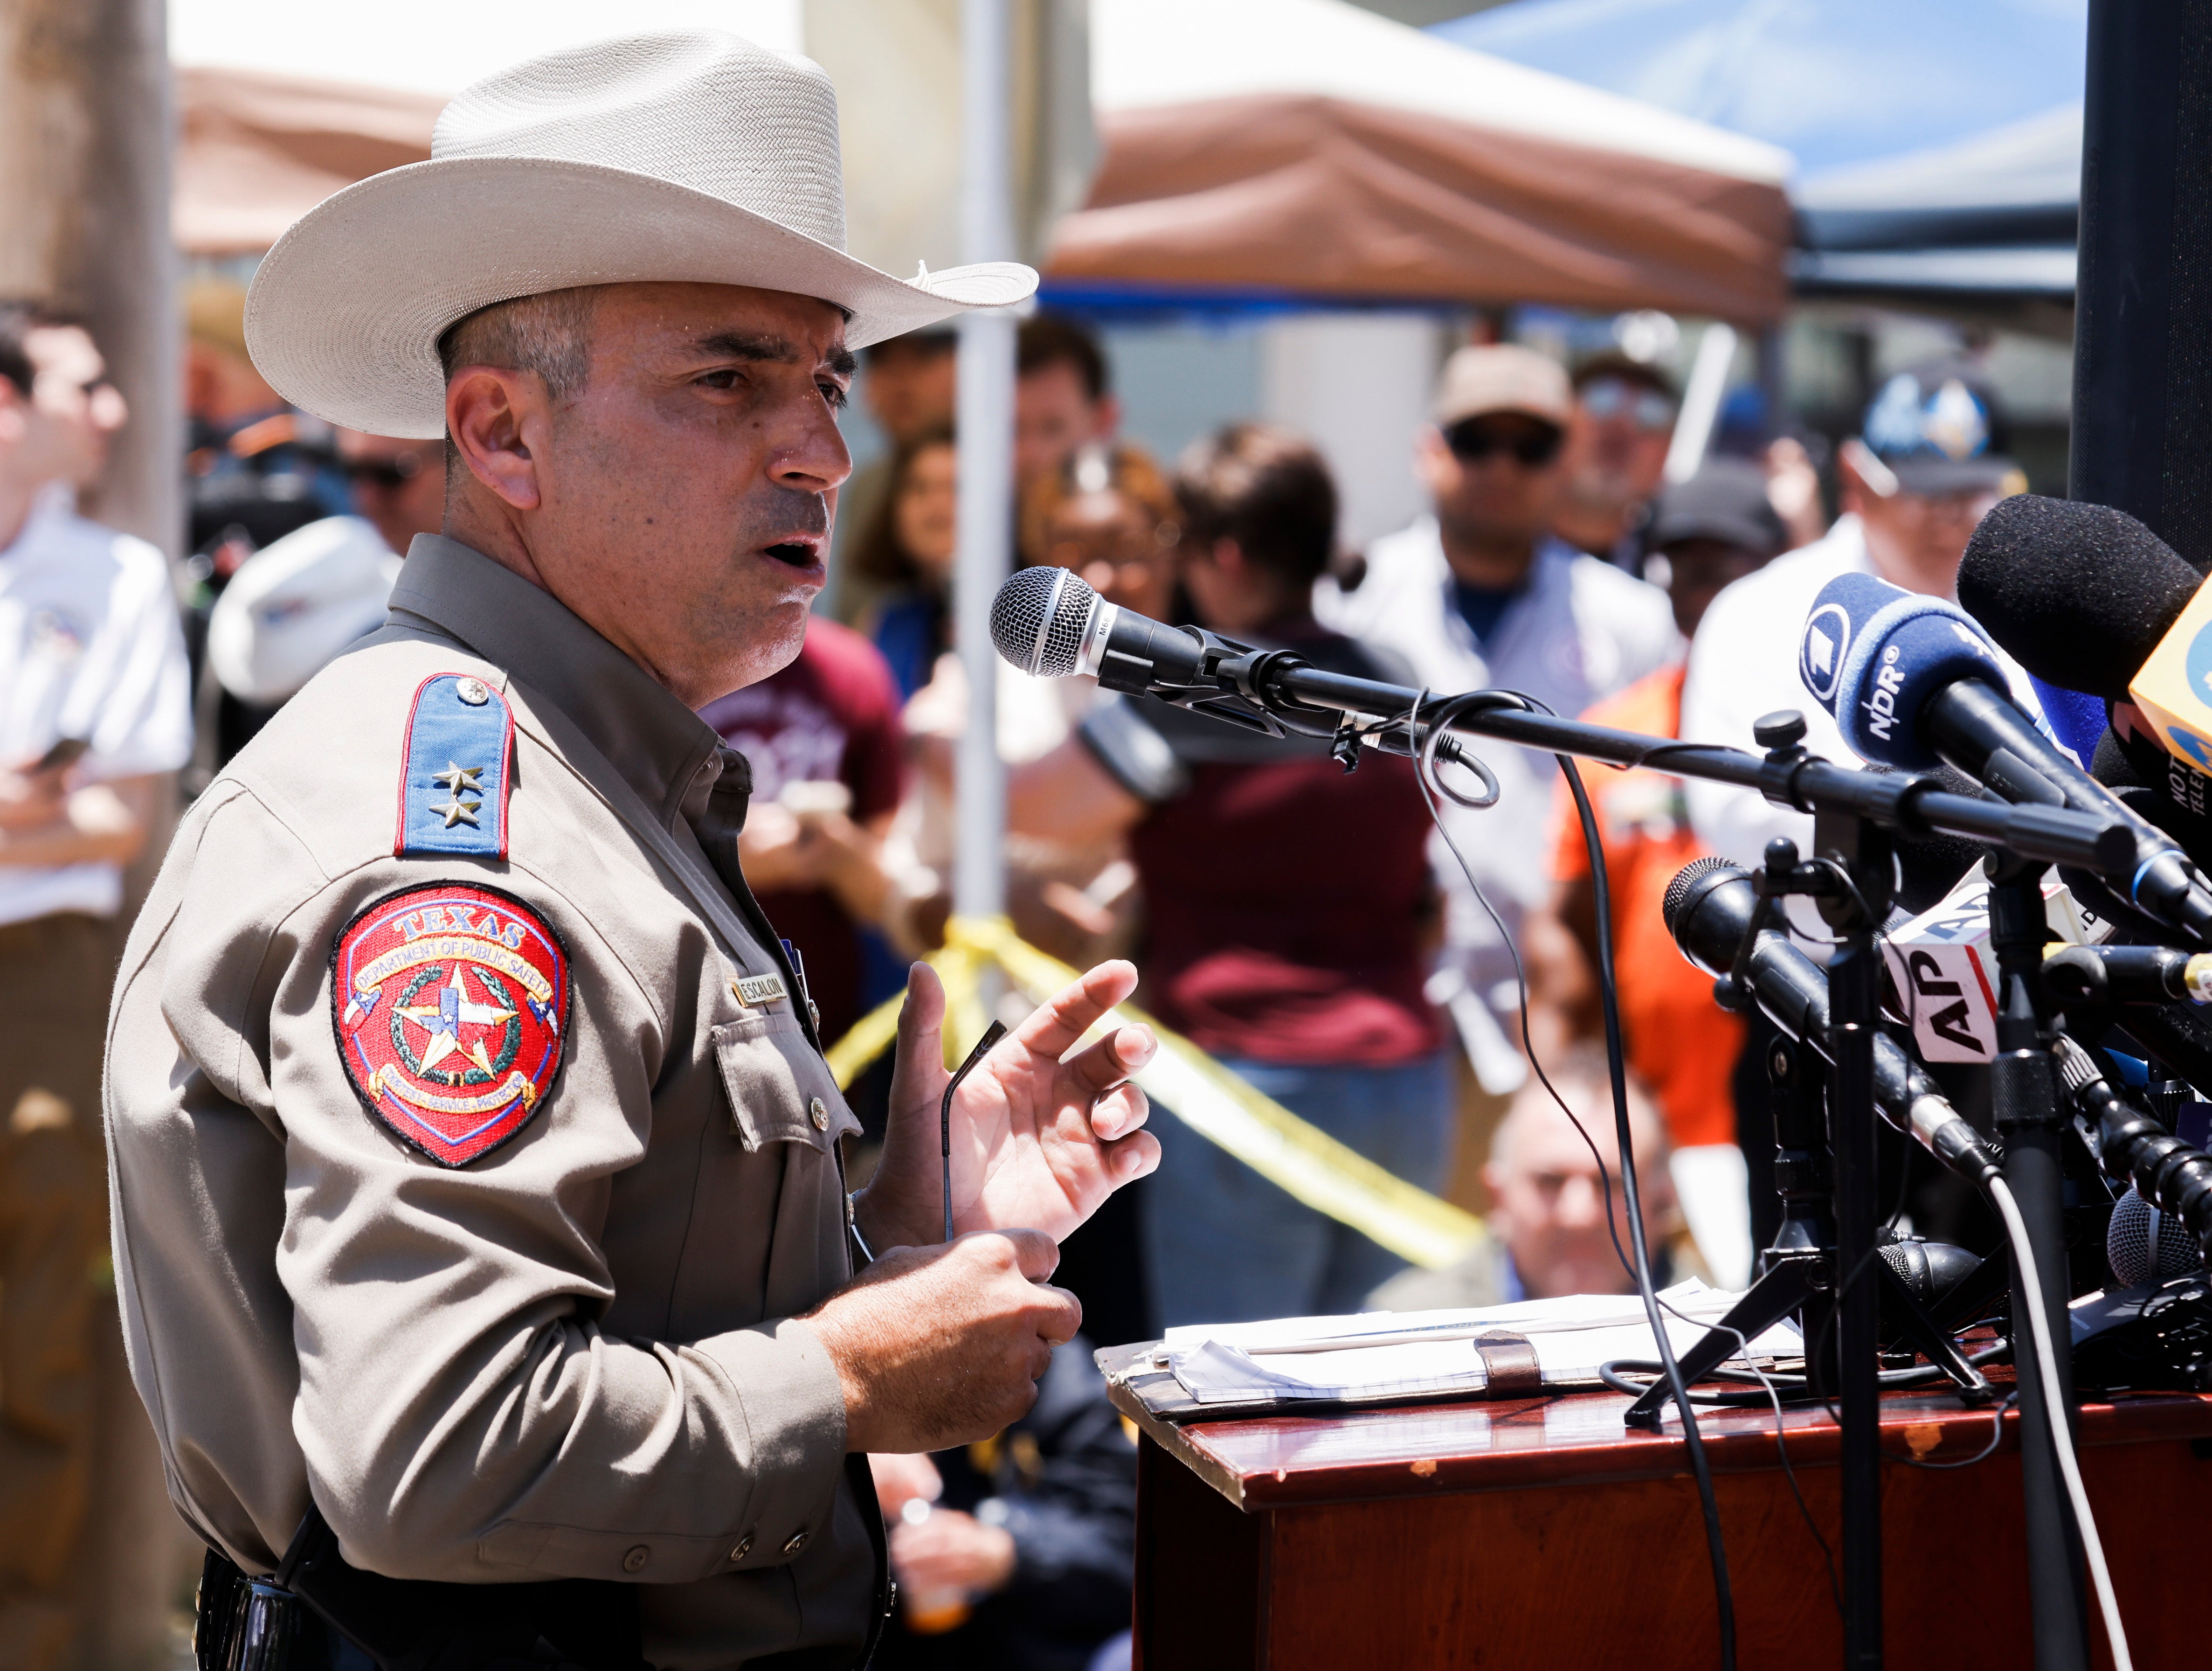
(1313, 929)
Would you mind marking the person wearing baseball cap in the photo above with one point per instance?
(1482, 593)
(1929, 462)
(482, 1239)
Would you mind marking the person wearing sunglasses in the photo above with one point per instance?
(1616, 450)
(1483, 594)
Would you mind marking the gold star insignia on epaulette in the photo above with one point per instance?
(457, 777)
(457, 811)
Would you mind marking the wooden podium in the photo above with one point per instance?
(1541, 1533)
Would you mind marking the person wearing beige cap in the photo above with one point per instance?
(482, 1230)
(1481, 594)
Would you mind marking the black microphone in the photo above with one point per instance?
(1049, 621)
(2079, 595)
(1708, 905)
(1912, 680)
(2142, 1244)
(2133, 1148)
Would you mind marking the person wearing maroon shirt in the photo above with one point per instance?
(826, 746)
(1287, 905)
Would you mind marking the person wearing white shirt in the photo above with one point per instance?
(93, 709)
(1482, 595)
(1927, 468)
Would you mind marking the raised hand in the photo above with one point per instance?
(1036, 1142)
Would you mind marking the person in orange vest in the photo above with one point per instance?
(1715, 528)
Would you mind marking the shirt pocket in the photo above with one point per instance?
(780, 1088)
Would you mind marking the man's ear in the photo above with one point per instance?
(1493, 1180)
(494, 417)
(14, 414)
(1433, 461)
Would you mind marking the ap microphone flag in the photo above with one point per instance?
(1872, 655)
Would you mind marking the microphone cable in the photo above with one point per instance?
(1616, 1069)
(2061, 1436)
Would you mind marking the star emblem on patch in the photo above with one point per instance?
(450, 1001)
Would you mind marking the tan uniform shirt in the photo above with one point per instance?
(573, 1356)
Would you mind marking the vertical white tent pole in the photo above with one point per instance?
(987, 450)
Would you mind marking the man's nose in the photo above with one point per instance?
(814, 459)
(1581, 1204)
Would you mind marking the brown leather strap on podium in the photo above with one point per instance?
(1509, 1361)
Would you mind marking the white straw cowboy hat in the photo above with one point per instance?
(683, 155)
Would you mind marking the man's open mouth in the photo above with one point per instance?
(796, 553)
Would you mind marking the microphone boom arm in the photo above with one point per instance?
(1280, 682)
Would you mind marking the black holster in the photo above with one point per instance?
(317, 1605)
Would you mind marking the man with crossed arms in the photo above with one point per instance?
(478, 1187)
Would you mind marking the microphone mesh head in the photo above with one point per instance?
(2142, 1244)
(1038, 619)
(1688, 877)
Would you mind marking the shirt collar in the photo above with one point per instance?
(658, 745)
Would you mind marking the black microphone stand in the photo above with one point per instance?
(2023, 1096)
(1851, 877)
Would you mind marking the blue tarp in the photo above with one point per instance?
(1835, 82)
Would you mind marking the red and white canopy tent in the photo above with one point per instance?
(1310, 146)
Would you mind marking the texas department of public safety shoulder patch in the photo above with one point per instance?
(451, 1004)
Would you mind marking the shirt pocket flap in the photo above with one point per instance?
(780, 1088)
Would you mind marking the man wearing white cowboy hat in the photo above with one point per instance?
(481, 1229)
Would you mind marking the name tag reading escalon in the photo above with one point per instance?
(1943, 975)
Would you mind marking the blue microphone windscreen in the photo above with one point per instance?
(1872, 653)
(2076, 718)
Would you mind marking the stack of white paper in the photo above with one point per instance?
(1382, 1355)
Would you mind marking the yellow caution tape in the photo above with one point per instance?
(1305, 1162)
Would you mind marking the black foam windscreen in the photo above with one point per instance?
(2078, 594)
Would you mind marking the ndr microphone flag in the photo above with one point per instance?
(1872, 655)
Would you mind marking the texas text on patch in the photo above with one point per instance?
(453, 776)
(451, 1003)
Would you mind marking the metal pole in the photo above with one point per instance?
(986, 459)
(1863, 850)
(1854, 979)
(2024, 1102)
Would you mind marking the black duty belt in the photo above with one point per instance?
(318, 1613)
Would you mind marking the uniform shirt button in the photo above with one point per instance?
(745, 1547)
(635, 1561)
(798, 1542)
(820, 1113)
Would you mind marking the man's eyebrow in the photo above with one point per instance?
(761, 347)
(765, 348)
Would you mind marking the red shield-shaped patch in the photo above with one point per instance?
(451, 1002)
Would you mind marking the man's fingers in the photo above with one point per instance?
(1114, 1058)
(1061, 1314)
(1054, 1028)
(921, 1017)
(1036, 1255)
(1131, 1158)
(1122, 1110)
